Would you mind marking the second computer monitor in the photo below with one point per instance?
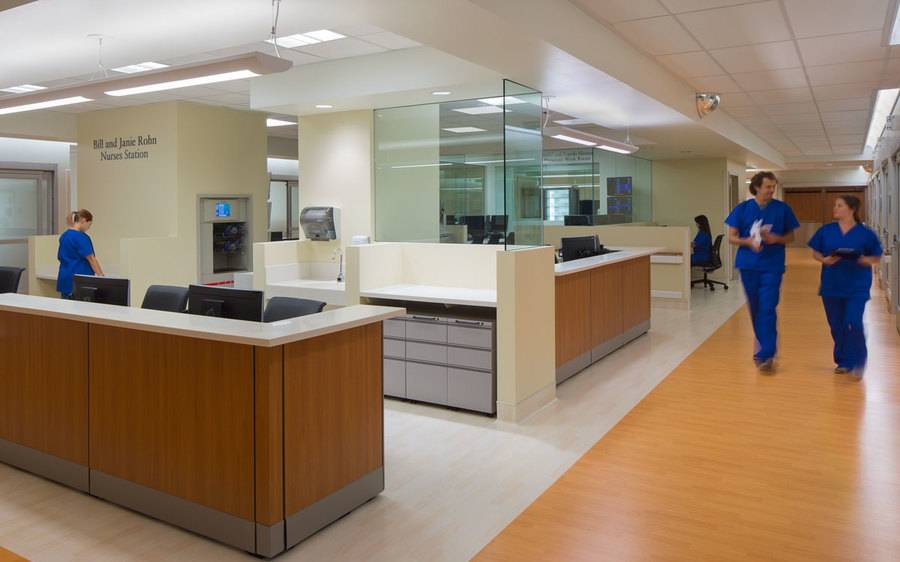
(223, 302)
(577, 247)
(104, 290)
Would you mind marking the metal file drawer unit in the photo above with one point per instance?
(441, 360)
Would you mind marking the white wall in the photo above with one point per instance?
(823, 178)
(283, 167)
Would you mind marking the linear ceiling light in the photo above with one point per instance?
(278, 122)
(895, 29)
(303, 39)
(480, 110)
(23, 89)
(590, 139)
(43, 104)
(140, 67)
(184, 83)
(884, 105)
(567, 138)
(464, 130)
(499, 101)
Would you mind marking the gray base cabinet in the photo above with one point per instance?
(441, 360)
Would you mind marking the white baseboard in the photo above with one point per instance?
(518, 412)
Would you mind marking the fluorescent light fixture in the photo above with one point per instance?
(895, 29)
(500, 161)
(140, 67)
(480, 110)
(574, 121)
(422, 165)
(441, 93)
(303, 39)
(523, 130)
(614, 149)
(43, 104)
(464, 130)
(23, 89)
(185, 83)
(499, 101)
(278, 122)
(884, 105)
(567, 138)
(324, 106)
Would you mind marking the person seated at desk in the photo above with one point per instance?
(701, 247)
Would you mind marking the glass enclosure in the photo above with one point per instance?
(27, 208)
(284, 210)
(465, 171)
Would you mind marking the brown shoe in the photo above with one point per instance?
(841, 370)
(766, 367)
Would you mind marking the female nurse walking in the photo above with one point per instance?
(76, 253)
(847, 250)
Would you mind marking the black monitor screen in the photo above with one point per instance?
(497, 223)
(586, 207)
(105, 290)
(618, 186)
(475, 222)
(223, 302)
(577, 247)
(577, 220)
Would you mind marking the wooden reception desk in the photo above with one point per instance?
(602, 303)
(256, 435)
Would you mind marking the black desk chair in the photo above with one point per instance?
(715, 263)
(9, 279)
(282, 308)
(166, 298)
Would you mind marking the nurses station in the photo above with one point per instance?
(232, 270)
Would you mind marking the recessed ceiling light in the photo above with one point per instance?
(303, 39)
(23, 89)
(324, 106)
(499, 101)
(324, 35)
(441, 93)
(574, 121)
(895, 29)
(140, 67)
(464, 130)
(884, 104)
(186, 83)
(278, 122)
(567, 138)
(480, 110)
(43, 104)
(614, 149)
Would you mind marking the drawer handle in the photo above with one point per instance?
(429, 318)
(469, 322)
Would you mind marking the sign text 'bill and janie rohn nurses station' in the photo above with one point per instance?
(125, 148)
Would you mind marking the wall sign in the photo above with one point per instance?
(125, 148)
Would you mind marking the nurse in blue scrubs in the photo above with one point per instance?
(701, 247)
(76, 253)
(847, 249)
(760, 227)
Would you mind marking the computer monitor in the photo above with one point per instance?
(224, 302)
(105, 290)
(577, 220)
(497, 223)
(577, 247)
(586, 207)
(475, 222)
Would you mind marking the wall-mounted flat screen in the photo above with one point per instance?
(223, 209)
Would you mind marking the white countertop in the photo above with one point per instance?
(432, 293)
(624, 254)
(329, 291)
(203, 327)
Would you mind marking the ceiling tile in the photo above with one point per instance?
(845, 117)
(719, 84)
(615, 11)
(299, 58)
(845, 73)
(233, 85)
(342, 48)
(856, 148)
(776, 110)
(678, 6)
(390, 40)
(797, 118)
(847, 139)
(809, 18)
(658, 36)
(741, 113)
(846, 104)
(893, 66)
(771, 79)
(803, 129)
(818, 151)
(849, 47)
(847, 129)
(737, 25)
(792, 95)
(753, 58)
(895, 51)
(736, 100)
(844, 91)
(356, 30)
(690, 65)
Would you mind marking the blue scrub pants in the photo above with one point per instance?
(763, 289)
(845, 317)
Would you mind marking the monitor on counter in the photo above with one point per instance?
(104, 290)
(577, 247)
(224, 302)
(577, 220)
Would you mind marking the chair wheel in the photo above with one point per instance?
(726, 287)
(711, 288)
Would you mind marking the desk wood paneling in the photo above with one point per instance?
(333, 418)
(606, 318)
(269, 434)
(43, 385)
(174, 414)
(573, 322)
(636, 292)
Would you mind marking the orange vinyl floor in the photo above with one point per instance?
(720, 463)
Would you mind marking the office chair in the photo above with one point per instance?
(495, 238)
(714, 264)
(282, 308)
(9, 279)
(166, 298)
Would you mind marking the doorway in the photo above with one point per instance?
(734, 197)
(284, 209)
(27, 208)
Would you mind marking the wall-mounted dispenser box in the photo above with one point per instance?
(320, 223)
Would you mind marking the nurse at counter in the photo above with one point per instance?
(847, 250)
(76, 253)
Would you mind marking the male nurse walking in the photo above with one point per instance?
(760, 227)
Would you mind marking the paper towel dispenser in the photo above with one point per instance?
(320, 223)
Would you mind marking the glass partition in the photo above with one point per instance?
(442, 171)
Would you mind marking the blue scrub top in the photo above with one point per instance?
(702, 248)
(779, 216)
(74, 248)
(846, 278)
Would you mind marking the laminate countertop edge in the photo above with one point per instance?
(201, 327)
(622, 254)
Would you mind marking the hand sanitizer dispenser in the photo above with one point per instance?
(320, 223)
